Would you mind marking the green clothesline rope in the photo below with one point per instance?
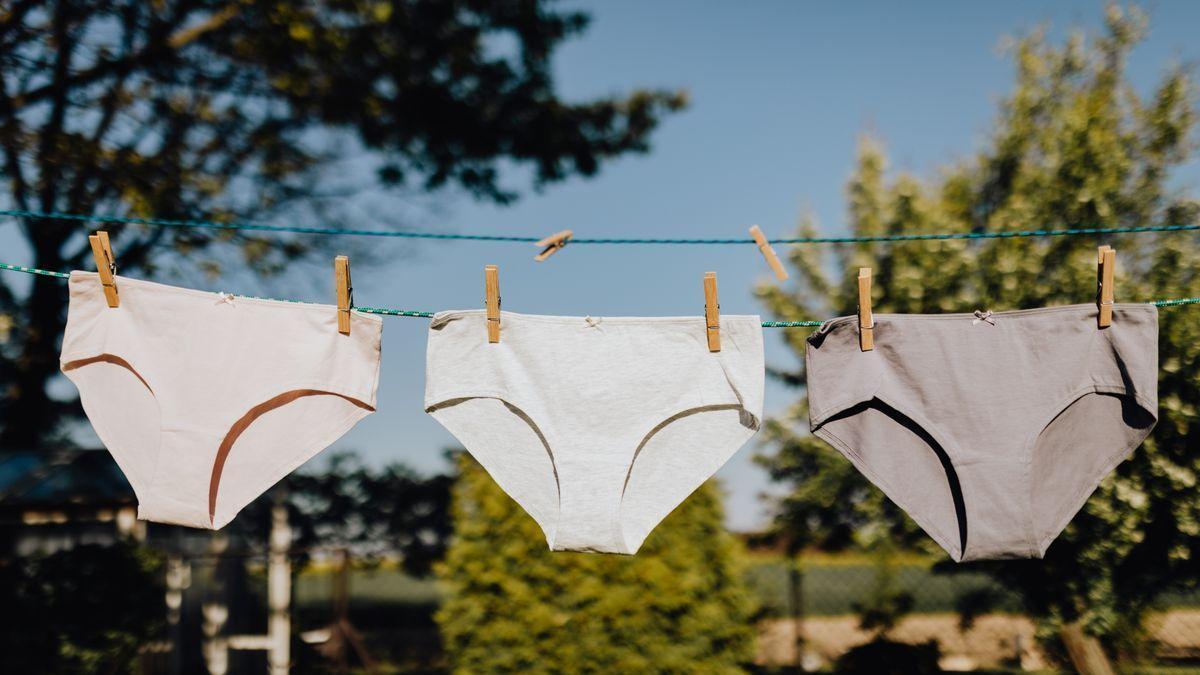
(394, 312)
(426, 315)
(207, 224)
(34, 270)
(791, 324)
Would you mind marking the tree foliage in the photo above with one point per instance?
(1074, 145)
(679, 606)
(54, 607)
(251, 109)
(372, 512)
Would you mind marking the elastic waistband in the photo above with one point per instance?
(1089, 308)
(80, 276)
(441, 317)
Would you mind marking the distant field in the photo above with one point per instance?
(382, 586)
(831, 586)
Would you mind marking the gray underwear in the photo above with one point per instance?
(990, 432)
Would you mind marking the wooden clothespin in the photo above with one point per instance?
(712, 312)
(345, 292)
(552, 244)
(491, 285)
(106, 266)
(866, 319)
(1105, 286)
(768, 253)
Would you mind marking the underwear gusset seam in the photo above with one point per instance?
(146, 507)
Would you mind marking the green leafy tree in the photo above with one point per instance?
(252, 109)
(886, 604)
(1074, 145)
(513, 606)
(53, 604)
(375, 512)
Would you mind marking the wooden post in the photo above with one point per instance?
(1085, 651)
(279, 591)
(179, 577)
(796, 583)
(341, 610)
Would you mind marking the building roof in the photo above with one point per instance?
(59, 478)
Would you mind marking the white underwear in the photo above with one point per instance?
(597, 427)
(194, 392)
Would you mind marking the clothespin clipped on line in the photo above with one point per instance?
(769, 253)
(552, 243)
(712, 312)
(491, 287)
(106, 266)
(866, 319)
(345, 292)
(1105, 285)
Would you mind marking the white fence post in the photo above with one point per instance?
(279, 592)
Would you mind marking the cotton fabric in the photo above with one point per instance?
(205, 400)
(597, 426)
(990, 429)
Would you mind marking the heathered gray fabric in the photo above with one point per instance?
(597, 426)
(990, 434)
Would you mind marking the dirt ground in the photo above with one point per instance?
(994, 640)
(1178, 633)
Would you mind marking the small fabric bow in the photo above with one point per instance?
(983, 316)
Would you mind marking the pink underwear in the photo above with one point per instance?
(206, 400)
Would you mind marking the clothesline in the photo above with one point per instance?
(1173, 302)
(207, 224)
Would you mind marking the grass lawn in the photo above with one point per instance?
(384, 585)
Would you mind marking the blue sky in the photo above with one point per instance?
(780, 91)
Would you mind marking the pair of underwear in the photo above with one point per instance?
(990, 433)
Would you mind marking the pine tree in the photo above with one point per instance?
(1074, 146)
(678, 606)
